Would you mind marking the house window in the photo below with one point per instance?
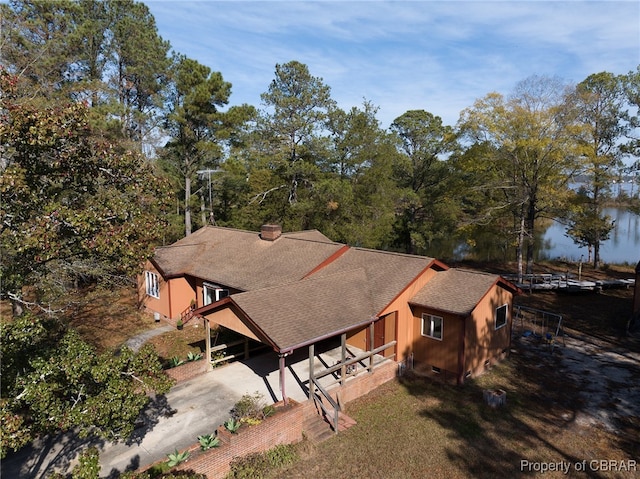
(212, 293)
(152, 284)
(432, 326)
(501, 316)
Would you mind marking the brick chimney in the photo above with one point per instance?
(270, 232)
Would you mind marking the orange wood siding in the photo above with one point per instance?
(358, 339)
(443, 354)
(175, 294)
(390, 334)
(406, 332)
(230, 319)
(181, 295)
(482, 341)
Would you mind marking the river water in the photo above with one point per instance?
(623, 245)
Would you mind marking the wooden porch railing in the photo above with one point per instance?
(333, 414)
(187, 314)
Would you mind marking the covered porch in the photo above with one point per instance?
(301, 373)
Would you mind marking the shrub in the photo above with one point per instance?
(259, 465)
(232, 425)
(250, 408)
(177, 458)
(208, 441)
(268, 410)
(191, 356)
(175, 361)
(218, 356)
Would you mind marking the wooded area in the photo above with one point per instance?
(111, 144)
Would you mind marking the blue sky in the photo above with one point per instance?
(439, 56)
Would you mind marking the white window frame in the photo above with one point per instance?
(218, 293)
(506, 316)
(429, 326)
(152, 284)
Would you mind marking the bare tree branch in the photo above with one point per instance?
(264, 194)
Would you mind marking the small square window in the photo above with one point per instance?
(432, 326)
(501, 316)
(152, 284)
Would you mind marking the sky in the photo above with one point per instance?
(438, 56)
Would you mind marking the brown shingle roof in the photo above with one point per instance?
(295, 314)
(455, 290)
(387, 273)
(241, 260)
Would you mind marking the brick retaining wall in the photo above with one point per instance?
(285, 427)
(188, 370)
(282, 428)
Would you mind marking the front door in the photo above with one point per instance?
(384, 331)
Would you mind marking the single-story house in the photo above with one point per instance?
(293, 290)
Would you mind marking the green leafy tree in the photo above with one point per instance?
(586, 225)
(426, 209)
(527, 151)
(197, 126)
(604, 128)
(74, 208)
(107, 53)
(141, 63)
(354, 202)
(38, 44)
(53, 382)
(289, 138)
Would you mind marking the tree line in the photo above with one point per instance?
(300, 160)
(111, 144)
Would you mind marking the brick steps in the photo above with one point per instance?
(318, 428)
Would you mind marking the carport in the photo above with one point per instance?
(305, 314)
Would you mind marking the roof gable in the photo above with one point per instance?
(456, 291)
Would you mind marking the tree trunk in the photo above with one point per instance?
(530, 225)
(596, 254)
(519, 245)
(187, 207)
(17, 309)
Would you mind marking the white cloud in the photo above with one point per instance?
(435, 55)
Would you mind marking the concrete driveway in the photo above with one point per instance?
(192, 408)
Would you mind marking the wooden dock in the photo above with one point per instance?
(566, 283)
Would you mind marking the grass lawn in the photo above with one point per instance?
(417, 428)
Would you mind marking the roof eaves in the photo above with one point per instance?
(290, 349)
(462, 314)
(249, 322)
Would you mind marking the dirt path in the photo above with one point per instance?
(137, 341)
(602, 378)
(608, 378)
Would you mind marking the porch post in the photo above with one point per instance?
(371, 342)
(312, 386)
(343, 357)
(285, 399)
(246, 347)
(207, 336)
